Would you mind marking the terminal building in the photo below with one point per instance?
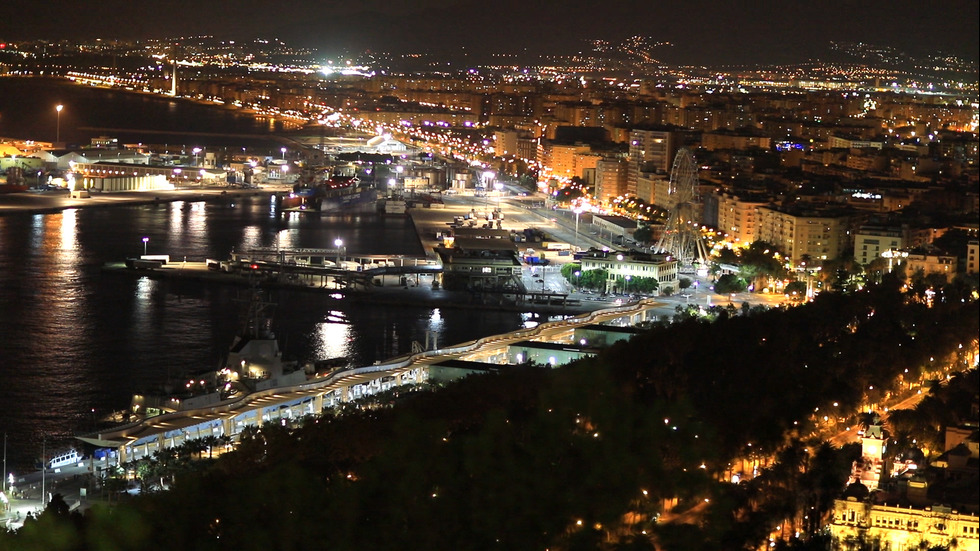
(623, 267)
(480, 262)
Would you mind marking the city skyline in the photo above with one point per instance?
(699, 32)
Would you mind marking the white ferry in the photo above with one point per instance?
(66, 458)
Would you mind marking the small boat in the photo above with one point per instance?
(67, 458)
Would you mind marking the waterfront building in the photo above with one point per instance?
(602, 336)
(473, 263)
(548, 353)
(104, 176)
(623, 267)
(618, 228)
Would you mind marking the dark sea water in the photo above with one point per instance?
(27, 111)
(76, 342)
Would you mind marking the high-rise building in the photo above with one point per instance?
(563, 159)
(649, 151)
(610, 179)
(971, 257)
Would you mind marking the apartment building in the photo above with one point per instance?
(738, 216)
(820, 235)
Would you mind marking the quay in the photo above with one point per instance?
(398, 280)
(404, 280)
(144, 437)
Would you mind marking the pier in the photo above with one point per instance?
(227, 419)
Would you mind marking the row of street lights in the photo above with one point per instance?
(338, 243)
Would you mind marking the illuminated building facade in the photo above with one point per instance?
(738, 217)
(901, 528)
(819, 235)
(649, 151)
(610, 179)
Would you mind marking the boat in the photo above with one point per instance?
(392, 206)
(67, 458)
(313, 194)
(254, 362)
(13, 181)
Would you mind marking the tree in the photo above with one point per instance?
(643, 234)
(796, 290)
(568, 271)
(760, 263)
(729, 283)
(594, 279)
(684, 283)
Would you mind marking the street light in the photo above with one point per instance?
(338, 243)
(57, 136)
(577, 212)
(145, 241)
(196, 151)
(487, 183)
(283, 150)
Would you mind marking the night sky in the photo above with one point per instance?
(702, 31)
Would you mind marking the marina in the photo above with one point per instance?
(289, 403)
(120, 313)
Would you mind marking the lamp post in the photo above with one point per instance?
(283, 151)
(196, 151)
(487, 184)
(145, 241)
(577, 211)
(57, 135)
(338, 243)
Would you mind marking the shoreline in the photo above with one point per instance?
(281, 137)
(424, 225)
(57, 201)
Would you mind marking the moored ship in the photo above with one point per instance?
(332, 193)
(254, 363)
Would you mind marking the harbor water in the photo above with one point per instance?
(76, 342)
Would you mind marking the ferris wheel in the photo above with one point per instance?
(682, 234)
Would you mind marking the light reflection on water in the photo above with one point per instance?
(335, 337)
(75, 338)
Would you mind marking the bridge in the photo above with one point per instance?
(144, 437)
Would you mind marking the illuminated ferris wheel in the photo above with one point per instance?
(682, 234)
